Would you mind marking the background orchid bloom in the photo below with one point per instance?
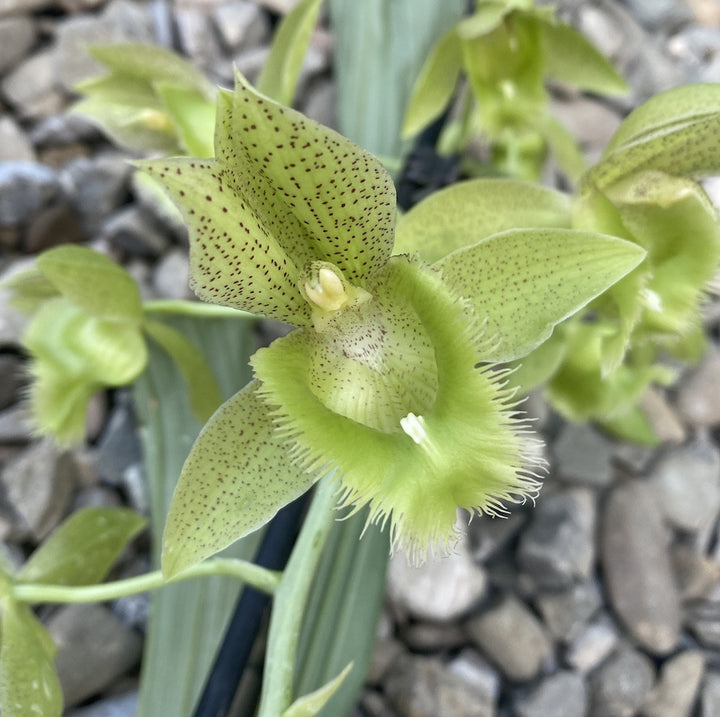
(379, 383)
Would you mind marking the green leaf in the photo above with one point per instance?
(151, 63)
(93, 282)
(524, 281)
(120, 90)
(435, 84)
(540, 364)
(29, 290)
(82, 550)
(28, 682)
(677, 132)
(279, 76)
(572, 59)
(238, 475)
(467, 212)
(204, 392)
(193, 116)
(145, 130)
(632, 426)
(309, 705)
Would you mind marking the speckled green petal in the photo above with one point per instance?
(237, 476)
(235, 259)
(524, 281)
(465, 450)
(467, 212)
(340, 192)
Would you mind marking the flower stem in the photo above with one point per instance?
(178, 307)
(257, 577)
(290, 601)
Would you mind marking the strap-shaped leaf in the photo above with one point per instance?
(28, 682)
(83, 549)
(92, 282)
(193, 116)
(203, 389)
(310, 705)
(524, 281)
(238, 475)
(435, 84)
(572, 59)
(467, 212)
(279, 76)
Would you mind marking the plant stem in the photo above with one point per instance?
(179, 307)
(260, 578)
(290, 601)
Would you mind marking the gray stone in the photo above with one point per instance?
(15, 423)
(14, 144)
(251, 61)
(710, 699)
(423, 687)
(488, 535)
(57, 224)
(319, 102)
(677, 687)
(563, 693)
(662, 418)
(592, 644)
(621, 685)
(197, 35)
(15, 7)
(566, 612)
(385, 652)
(703, 620)
(583, 455)
(25, 189)
(512, 638)
(473, 669)
(660, 15)
(428, 637)
(172, 275)
(241, 24)
(117, 706)
(698, 49)
(130, 230)
(637, 567)
(17, 35)
(13, 379)
(439, 590)
(98, 186)
(118, 448)
(64, 129)
(12, 322)
(696, 573)
(39, 486)
(94, 649)
(686, 483)
(558, 547)
(698, 399)
(31, 88)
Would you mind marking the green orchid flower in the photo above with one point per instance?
(386, 380)
(88, 331)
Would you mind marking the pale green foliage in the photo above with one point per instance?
(87, 332)
(151, 100)
(281, 71)
(379, 382)
(311, 704)
(508, 49)
(81, 551)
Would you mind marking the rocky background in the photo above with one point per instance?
(603, 599)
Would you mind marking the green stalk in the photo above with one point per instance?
(249, 573)
(291, 600)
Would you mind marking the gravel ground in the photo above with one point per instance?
(603, 599)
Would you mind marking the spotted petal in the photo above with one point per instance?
(237, 476)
